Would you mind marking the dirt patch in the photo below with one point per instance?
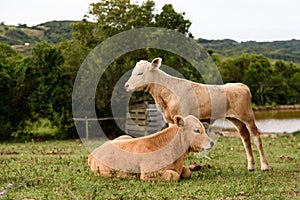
(8, 152)
(236, 134)
(56, 153)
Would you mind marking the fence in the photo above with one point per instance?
(92, 119)
(142, 118)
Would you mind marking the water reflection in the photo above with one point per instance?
(271, 121)
(278, 121)
(277, 114)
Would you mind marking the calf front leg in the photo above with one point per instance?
(186, 172)
(167, 175)
(170, 175)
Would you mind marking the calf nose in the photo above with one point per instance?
(126, 85)
(212, 144)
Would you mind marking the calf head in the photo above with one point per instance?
(142, 74)
(195, 132)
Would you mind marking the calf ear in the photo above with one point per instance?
(178, 120)
(206, 126)
(155, 64)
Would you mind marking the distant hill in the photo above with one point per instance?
(53, 32)
(280, 50)
(57, 31)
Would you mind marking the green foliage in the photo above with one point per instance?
(269, 84)
(115, 16)
(256, 77)
(11, 93)
(296, 134)
(170, 19)
(39, 128)
(294, 81)
(50, 95)
(44, 67)
(59, 170)
(33, 88)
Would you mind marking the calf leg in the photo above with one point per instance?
(257, 140)
(170, 175)
(167, 175)
(186, 172)
(245, 136)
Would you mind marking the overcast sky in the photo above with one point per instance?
(241, 20)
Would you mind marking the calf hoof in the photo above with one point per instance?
(194, 167)
(264, 167)
(251, 167)
(186, 172)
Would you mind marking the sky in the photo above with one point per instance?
(240, 20)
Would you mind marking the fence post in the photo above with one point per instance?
(86, 128)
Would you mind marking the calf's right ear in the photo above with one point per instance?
(178, 120)
(156, 63)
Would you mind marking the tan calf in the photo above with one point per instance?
(156, 157)
(176, 96)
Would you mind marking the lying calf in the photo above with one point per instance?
(156, 157)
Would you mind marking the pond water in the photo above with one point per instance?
(271, 121)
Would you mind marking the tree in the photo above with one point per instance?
(50, 87)
(233, 70)
(170, 19)
(284, 82)
(256, 77)
(254, 71)
(115, 16)
(13, 106)
(110, 17)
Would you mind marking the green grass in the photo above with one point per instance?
(59, 170)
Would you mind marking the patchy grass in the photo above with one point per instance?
(59, 170)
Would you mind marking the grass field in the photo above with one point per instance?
(59, 170)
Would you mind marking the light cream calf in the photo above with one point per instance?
(176, 96)
(156, 157)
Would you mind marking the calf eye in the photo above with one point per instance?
(197, 130)
(139, 74)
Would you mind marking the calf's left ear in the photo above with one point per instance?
(178, 120)
(206, 126)
(156, 63)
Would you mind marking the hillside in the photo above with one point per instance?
(53, 32)
(56, 31)
(280, 50)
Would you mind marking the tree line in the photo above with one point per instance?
(39, 86)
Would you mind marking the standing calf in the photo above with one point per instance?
(176, 96)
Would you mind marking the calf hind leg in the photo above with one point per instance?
(245, 136)
(257, 140)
